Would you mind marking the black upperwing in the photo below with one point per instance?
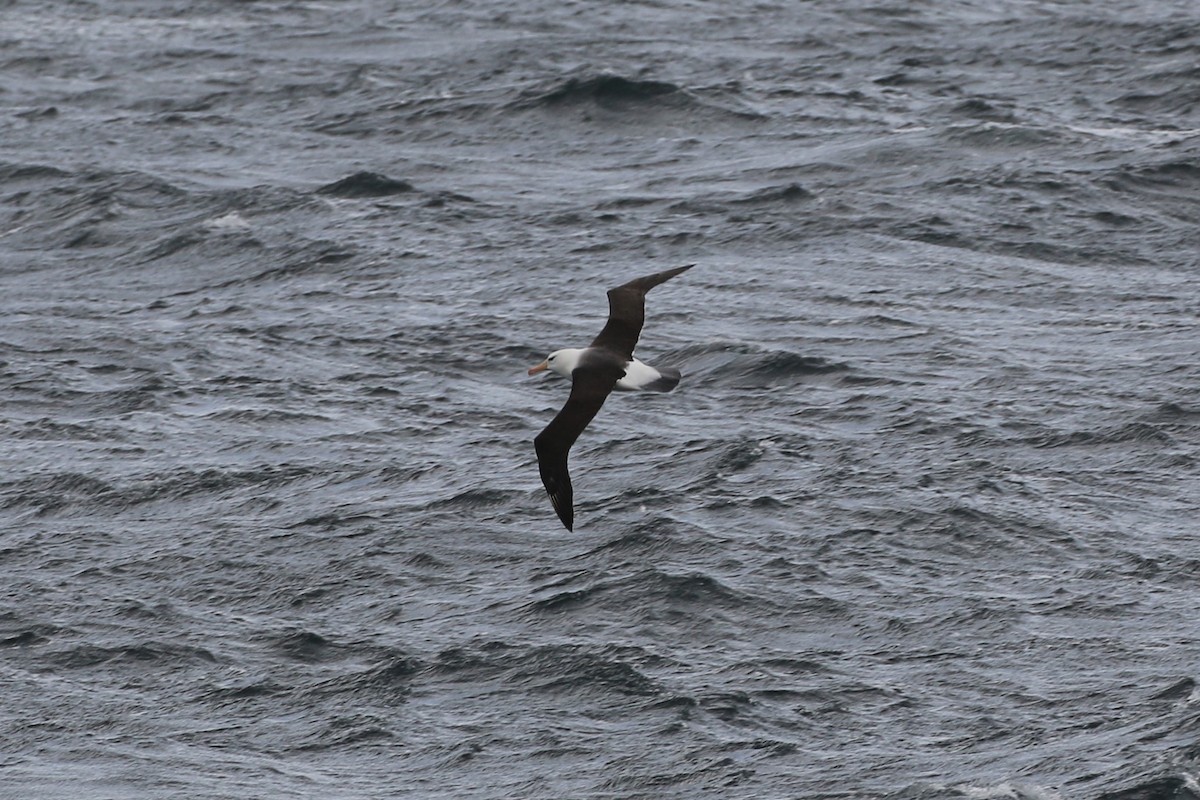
(627, 312)
(590, 387)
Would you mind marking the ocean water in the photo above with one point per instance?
(920, 522)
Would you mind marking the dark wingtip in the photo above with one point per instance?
(568, 517)
(561, 495)
(671, 273)
(648, 282)
(566, 512)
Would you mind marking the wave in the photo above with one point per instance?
(749, 366)
(366, 184)
(87, 209)
(1168, 176)
(147, 654)
(1133, 432)
(604, 89)
(617, 94)
(1171, 787)
(552, 668)
(11, 173)
(1006, 136)
(652, 591)
(57, 491)
(786, 193)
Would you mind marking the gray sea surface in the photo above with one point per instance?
(919, 523)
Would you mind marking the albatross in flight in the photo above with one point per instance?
(594, 371)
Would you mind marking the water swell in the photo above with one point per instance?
(555, 669)
(630, 98)
(56, 492)
(746, 366)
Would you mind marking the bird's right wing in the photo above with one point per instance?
(590, 387)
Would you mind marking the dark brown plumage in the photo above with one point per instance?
(593, 377)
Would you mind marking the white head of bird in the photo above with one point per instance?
(562, 362)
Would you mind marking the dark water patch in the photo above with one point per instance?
(956, 531)
(50, 492)
(768, 502)
(1005, 136)
(15, 632)
(1164, 92)
(366, 184)
(257, 691)
(23, 639)
(737, 456)
(1115, 219)
(645, 539)
(580, 670)
(57, 491)
(160, 655)
(173, 108)
(147, 610)
(333, 520)
(389, 681)
(1169, 175)
(306, 646)
(630, 99)
(1171, 413)
(726, 706)
(1130, 433)
(1056, 253)
(426, 561)
(248, 203)
(934, 230)
(762, 747)
(345, 732)
(796, 667)
(789, 193)
(34, 173)
(901, 78)
(629, 202)
(1173, 568)
(552, 668)
(215, 245)
(612, 91)
(443, 198)
(887, 320)
(565, 601)
(1173, 787)
(241, 263)
(86, 210)
(747, 366)
(652, 592)
(982, 109)
(1178, 691)
(131, 189)
(475, 499)
(267, 416)
(186, 483)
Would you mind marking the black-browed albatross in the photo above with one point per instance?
(594, 371)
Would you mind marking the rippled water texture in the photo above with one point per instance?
(919, 522)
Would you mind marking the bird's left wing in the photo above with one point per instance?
(590, 387)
